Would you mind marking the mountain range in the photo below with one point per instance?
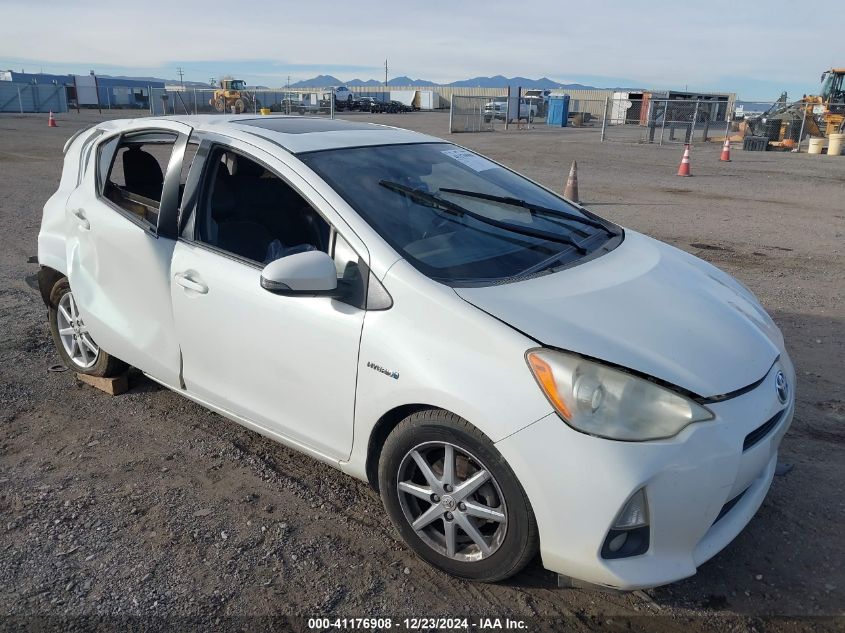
(324, 81)
(497, 81)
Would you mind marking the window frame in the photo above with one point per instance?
(167, 221)
(195, 199)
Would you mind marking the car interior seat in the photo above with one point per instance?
(142, 173)
(267, 200)
(230, 230)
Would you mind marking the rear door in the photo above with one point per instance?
(121, 228)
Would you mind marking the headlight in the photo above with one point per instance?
(599, 400)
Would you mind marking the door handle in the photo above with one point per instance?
(82, 221)
(191, 284)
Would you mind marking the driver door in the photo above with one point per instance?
(287, 365)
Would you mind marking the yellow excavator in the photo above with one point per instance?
(831, 100)
(232, 93)
(818, 115)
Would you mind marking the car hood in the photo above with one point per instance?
(649, 307)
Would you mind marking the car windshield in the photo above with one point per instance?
(458, 217)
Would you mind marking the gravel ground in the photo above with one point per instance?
(150, 508)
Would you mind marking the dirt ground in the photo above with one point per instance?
(147, 507)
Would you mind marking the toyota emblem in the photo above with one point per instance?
(782, 387)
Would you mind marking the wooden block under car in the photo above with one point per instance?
(112, 386)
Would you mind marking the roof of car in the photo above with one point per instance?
(299, 134)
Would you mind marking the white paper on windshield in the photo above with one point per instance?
(473, 161)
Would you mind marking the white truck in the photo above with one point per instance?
(498, 109)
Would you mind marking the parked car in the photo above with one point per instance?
(511, 372)
(343, 97)
(397, 106)
(287, 105)
(497, 109)
(367, 104)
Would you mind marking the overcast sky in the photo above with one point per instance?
(756, 49)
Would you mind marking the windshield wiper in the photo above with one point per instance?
(432, 201)
(535, 208)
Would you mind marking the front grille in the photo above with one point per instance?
(729, 506)
(761, 431)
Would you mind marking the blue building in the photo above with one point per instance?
(113, 92)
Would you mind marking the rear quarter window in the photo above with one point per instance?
(131, 173)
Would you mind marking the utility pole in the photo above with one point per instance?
(385, 80)
(212, 81)
(180, 73)
(287, 96)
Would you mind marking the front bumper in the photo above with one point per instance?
(712, 470)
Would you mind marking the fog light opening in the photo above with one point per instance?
(630, 533)
(616, 543)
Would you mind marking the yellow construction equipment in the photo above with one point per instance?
(818, 115)
(830, 102)
(232, 93)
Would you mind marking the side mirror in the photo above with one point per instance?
(311, 273)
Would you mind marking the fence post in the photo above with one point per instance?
(150, 98)
(451, 110)
(692, 123)
(507, 110)
(801, 133)
(331, 104)
(20, 100)
(108, 97)
(604, 118)
(665, 116)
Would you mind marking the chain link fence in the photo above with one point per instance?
(664, 121)
(24, 97)
(471, 114)
(220, 101)
(487, 114)
(586, 113)
(787, 125)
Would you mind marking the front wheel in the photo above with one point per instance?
(74, 343)
(454, 499)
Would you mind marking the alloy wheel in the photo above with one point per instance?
(76, 340)
(452, 501)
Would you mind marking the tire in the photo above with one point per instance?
(102, 364)
(511, 538)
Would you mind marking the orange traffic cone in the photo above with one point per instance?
(683, 170)
(726, 151)
(51, 121)
(571, 191)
